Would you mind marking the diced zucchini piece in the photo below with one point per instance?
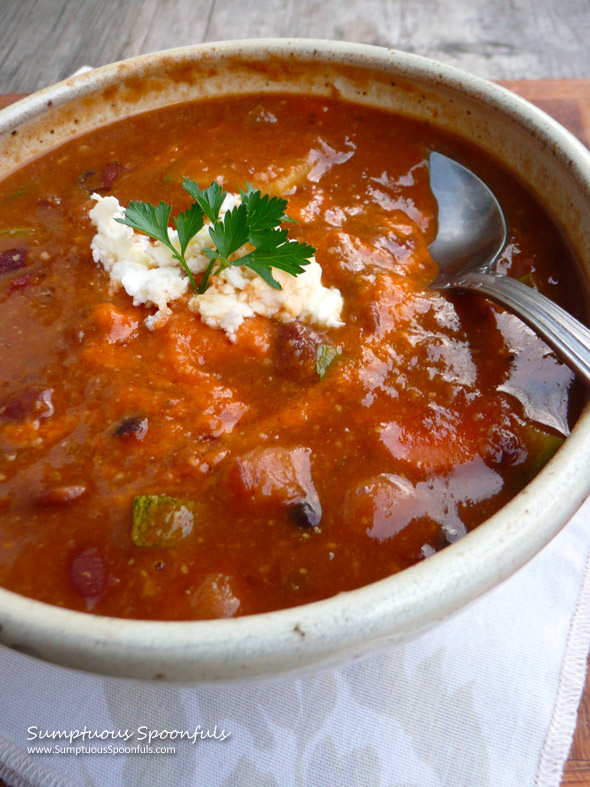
(162, 521)
(324, 357)
(541, 445)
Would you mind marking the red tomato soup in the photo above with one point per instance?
(167, 471)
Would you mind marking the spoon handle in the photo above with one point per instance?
(566, 335)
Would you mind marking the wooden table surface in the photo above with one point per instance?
(43, 41)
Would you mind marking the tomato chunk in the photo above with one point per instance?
(215, 598)
(279, 476)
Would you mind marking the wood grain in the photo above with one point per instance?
(577, 767)
(43, 42)
(497, 39)
(569, 103)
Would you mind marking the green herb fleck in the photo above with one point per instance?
(325, 355)
(20, 231)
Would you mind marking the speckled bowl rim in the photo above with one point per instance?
(354, 623)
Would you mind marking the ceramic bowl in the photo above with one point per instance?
(545, 156)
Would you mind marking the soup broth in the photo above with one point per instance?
(168, 472)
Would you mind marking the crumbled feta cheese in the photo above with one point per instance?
(149, 274)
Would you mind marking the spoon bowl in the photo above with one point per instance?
(471, 234)
(471, 225)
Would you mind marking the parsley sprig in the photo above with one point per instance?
(256, 221)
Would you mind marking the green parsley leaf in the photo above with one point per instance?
(188, 223)
(230, 234)
(265, 272)
(274, 250)
(210, 199)
(264, 212)
(255, 221)
(153, 220)
(150, 219)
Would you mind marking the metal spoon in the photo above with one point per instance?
(471, 235)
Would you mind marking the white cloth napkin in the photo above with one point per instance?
(487, 699)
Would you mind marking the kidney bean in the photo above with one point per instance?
(92, 181)
(110, 173)
(58, 495)
(26, 404)
(297, 351)
(20, 281)
(12, 260)
(88, 573)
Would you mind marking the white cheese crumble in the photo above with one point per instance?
(150, 275)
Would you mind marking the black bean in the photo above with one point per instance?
(133, 426)
(304, 514)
